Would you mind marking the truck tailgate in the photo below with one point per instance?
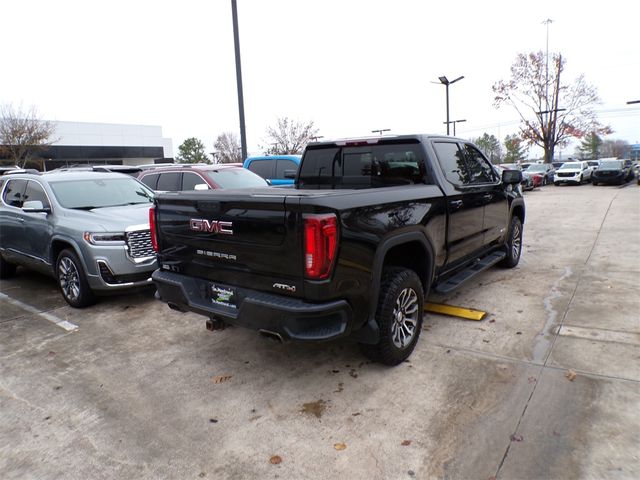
(244, 238)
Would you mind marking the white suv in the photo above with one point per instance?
(573, 172)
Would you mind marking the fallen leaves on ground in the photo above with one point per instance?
(406, 443)
(570, 375)
(516, 438)
(275, 460)
(221, 378)
(339, 446)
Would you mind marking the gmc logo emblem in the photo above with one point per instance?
(211, 226)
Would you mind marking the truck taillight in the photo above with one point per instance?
(320, 245)
(152, 229)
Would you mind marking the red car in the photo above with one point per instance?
(179, 177)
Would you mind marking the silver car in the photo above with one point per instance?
(89, 230)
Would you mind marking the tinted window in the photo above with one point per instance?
(264, 168)
(36, 192)
(169, 182)
(452, 162)
(236, 178)
(190, 180)
(479, 167)
(363, 167)
(151, 180)
(282, 165)
(14, 193)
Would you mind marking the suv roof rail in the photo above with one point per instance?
(32, 171)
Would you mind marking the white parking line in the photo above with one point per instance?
(68, 326)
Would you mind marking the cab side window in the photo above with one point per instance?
(151, 180)
(14, 193)
(452, 162)
(264, 168)
(480, 168)
(35, 191)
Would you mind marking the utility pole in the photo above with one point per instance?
(236, 41)
(546, 82)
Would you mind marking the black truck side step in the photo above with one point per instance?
(459, 278)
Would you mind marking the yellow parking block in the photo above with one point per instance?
(460, 312)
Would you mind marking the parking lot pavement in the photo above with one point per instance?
(547, 386)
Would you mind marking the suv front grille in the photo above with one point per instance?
(139, 243)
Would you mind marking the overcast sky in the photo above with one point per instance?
(350, 66)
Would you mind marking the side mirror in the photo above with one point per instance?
(201, 186)
(511, 177)
(290, 174)
(35, 206)
(268, 181)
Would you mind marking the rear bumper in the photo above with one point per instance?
(291, 318)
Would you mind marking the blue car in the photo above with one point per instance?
(277, 169)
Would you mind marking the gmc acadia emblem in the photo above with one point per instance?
(211, 226)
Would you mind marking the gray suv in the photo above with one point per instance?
(89, 230)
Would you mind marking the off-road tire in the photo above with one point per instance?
(72, 280)
(398, 315)
(7, 270)
(513, 246)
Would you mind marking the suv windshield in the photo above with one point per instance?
(236, 178)
(103, 192)
(611, 165)
(571, 166)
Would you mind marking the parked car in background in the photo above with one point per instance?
(613, 171)
(277, 169)
(545, 169)
(557, 165)
(529, 182)
(180, 177)
(89, 230)
(525, 165)
(573, 172)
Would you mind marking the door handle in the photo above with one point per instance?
(488, 196)
(20, 219)
(455, 203)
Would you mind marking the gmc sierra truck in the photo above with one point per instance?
(353, 250)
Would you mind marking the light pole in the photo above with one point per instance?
(236, 41)
(380, 130)
(446, 82)
(315, 138)
(632, 102)
(454, 124)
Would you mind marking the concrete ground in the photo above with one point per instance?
(547, 386)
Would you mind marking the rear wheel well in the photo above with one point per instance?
(413, 256)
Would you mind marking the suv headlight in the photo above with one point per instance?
(104, 238)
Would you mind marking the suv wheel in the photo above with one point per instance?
(7, 269)
(514, 244)
(399, 316)
(72, 280)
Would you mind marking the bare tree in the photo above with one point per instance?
(551, 112)
(289, 136)
(23, 134)
(227, 148)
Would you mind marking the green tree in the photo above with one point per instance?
(23, 134)
(192, 151)
(289, 137)
(551, 110)
(515, 150)
(490, 146)
(228, 149)
(590, 146)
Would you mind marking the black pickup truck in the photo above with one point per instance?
(353, 250)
